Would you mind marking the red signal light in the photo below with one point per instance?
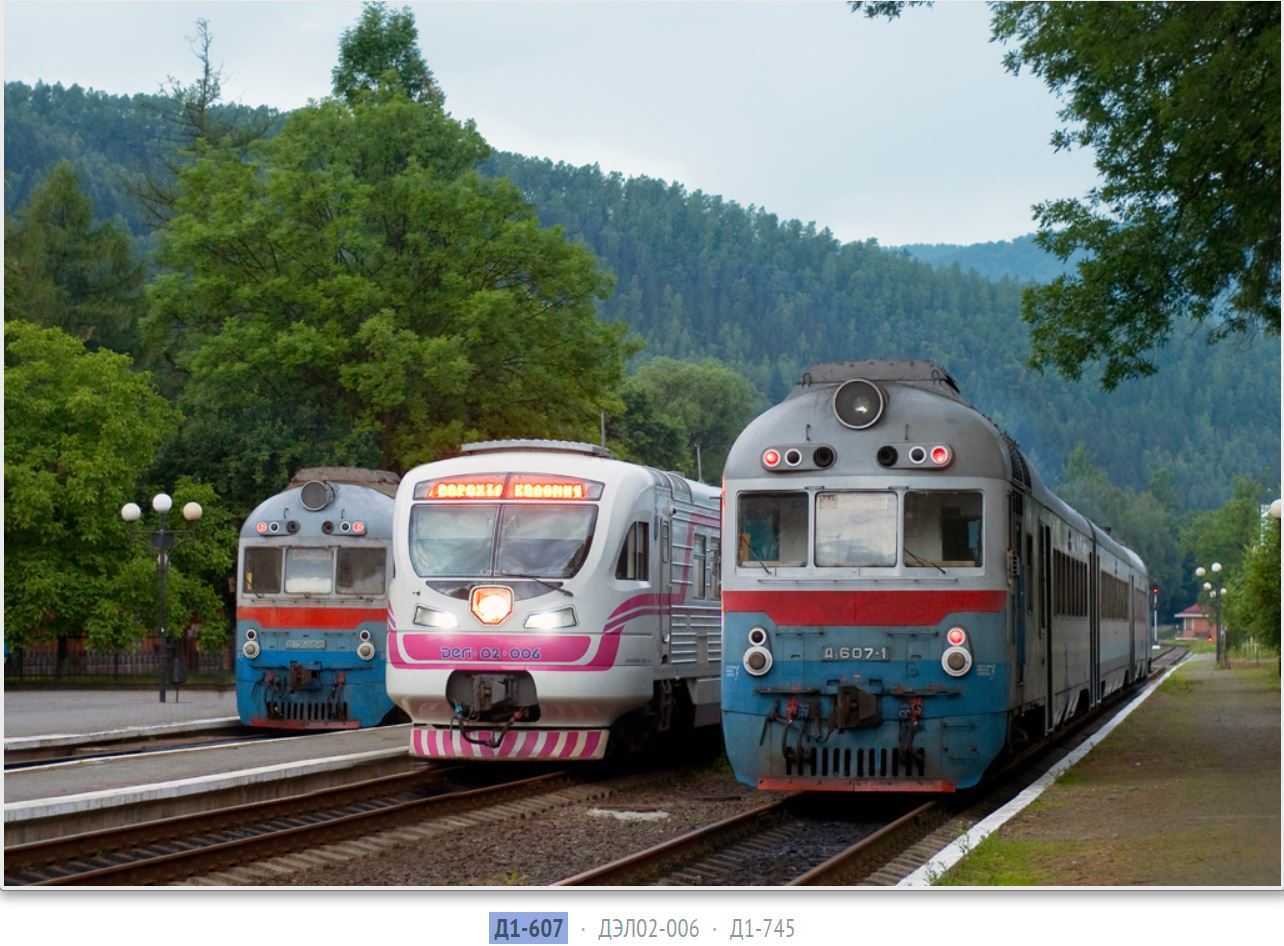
(941, 455)
(956, 636)
(260, 528)
(771, 459)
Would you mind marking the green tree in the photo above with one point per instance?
(1139, 520)
(192, 123)
(357, 293)
(383, 49)
(81, 428)
(1180, 104)
(1253, 605)
(710, 402)
(63, 271)
(642, 434)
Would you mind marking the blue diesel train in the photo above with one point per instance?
(312, 603)
(905, 599)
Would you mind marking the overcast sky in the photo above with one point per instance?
(907, 132)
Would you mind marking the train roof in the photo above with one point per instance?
(923, 404)
(920, 374)
(384, 481)
(345, 497)
(561, 456)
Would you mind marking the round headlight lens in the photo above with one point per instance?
(757, 660)
(858, 404)
(250, 649)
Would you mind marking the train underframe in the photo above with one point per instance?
(303, 694)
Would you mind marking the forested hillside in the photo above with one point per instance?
(1020, 259)
(700, 277)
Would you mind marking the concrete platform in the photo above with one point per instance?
(29, 713)
(63, 798)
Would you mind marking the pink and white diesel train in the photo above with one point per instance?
(549, 601)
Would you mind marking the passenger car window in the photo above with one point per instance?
(634, 562)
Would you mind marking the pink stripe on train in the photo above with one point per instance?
(517, 744)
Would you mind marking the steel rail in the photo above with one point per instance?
(147, 865)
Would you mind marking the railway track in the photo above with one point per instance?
(169, 850)
(20, 757)
(792, 842)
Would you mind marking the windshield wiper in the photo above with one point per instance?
(546, 584)
(923, 563)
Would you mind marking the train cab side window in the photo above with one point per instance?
(698, 559)
(772, 529)
(262, 571)
(309, 571)
(715, 570)
(942, 529)
(360, 571)
(635, 555)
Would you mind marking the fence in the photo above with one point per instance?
(70, 659)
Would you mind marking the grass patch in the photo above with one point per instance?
(1177, 683)
(996, 862)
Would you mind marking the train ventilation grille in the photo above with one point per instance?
(1020, 471)
(316, 711)
(861, 763)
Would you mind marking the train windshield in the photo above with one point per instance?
(500, 541)
(314, 570)
(856, 528)
(942, 529)
(772, 529)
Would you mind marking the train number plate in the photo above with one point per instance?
(297, 644)
(856, 653)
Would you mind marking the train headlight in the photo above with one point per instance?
(758, 636)
(250, 649)
(366, 650)
(431, 617)
(956, 661)
(859, 404)
(550, 620)
(758, 660)
(491, 604)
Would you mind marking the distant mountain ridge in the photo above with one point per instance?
(1020, 259)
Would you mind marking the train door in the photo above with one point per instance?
(1094, 624)
(1045, 618)
(1017, 575)
(664, 573)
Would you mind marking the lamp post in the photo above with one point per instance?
(163, 540)
(1215, 595)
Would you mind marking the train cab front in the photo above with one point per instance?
(309, 679)
(823, 691)
(865, 608)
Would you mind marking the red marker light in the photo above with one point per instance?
(940, 455)
(358, 527)
(771, 459)
(956, 636)
(261, 528)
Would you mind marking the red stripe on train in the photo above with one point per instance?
(861, 608)
(334, 619)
